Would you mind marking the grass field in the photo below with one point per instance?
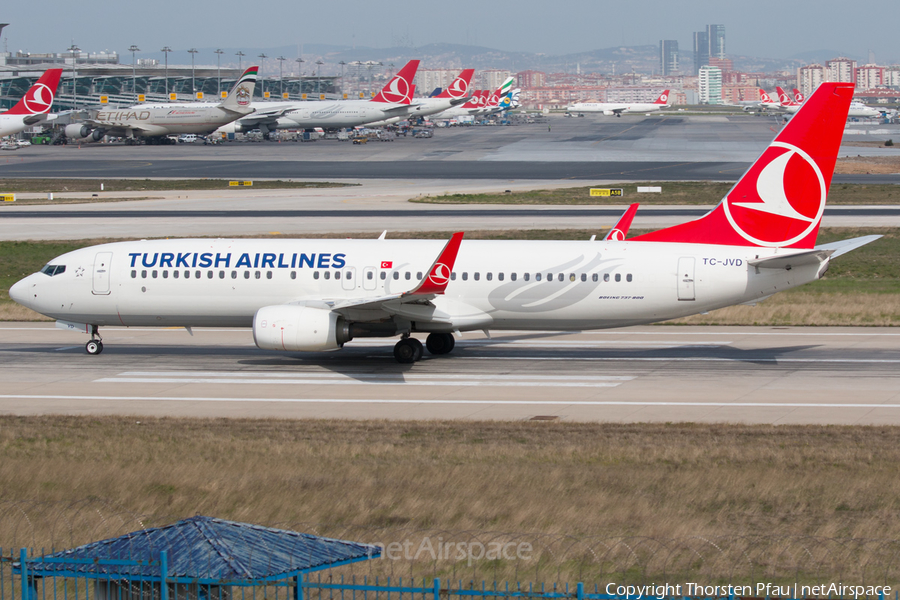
(673, 192)
(860, 288)
(655, 481)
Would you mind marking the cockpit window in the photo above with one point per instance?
(52, 270)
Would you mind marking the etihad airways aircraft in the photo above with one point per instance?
(34, 107)
(393, 101)
(315, 295)
(156, 121)
(617, 108)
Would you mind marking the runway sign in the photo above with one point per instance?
(8, 197)
(649, 189)
(606, 192)
(240, 183)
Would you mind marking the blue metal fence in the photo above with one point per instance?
(18, 581)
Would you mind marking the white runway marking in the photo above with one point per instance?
(442, 401)
(860, 361)
(266, 378)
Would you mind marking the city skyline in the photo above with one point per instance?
(768, 29)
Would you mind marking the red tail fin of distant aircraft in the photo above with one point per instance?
(400, 88)
(663, 98)
(798, 97)
(459, 88)
(764, 97)
(779, 201)
(39, 97)
(784, 98)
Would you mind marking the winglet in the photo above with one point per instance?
(439, 273)
(620, 229)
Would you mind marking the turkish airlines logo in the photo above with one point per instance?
(765, 97)
(786, 202)
(440, 274)
(799, 97)
(38, 99)
(397, 90)
(459, 88)
(663, 98)
(784, 99)
(616, 235)
(495, 99)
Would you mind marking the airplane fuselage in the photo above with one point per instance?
(611, 108)
(163, 119)
(495, 284)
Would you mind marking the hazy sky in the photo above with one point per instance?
(763, 28)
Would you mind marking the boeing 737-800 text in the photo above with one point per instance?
(314, 295)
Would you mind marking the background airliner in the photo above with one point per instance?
(314, 295)
(156, 121)
(34, 107)
(617, 108)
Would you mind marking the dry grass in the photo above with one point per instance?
(863, 165)
(673, 480)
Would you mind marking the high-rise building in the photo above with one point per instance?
(716, 35)
(869, 76)
(809, 78)
(668, 57)
(530, 79)
(701, 50)
(841, 69)
(709, 85)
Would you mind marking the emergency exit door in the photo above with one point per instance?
(101, 272)
(686, 278)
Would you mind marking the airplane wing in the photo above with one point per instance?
(432, 285)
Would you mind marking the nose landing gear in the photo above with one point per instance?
(95, 346)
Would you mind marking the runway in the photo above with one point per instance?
(698, 374)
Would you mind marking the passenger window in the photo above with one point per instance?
(315, 274)
(268, 274)
(499, 276)
(465, 275)
(419, 275)
(199, 274)
(153, 274)
(396, 275)
(584, 276)
(246, 274)
(257, 274)
(165, 273)
(175, 274)
(606, 277)
(561, 276)
(549, 276)
(293, 274)
(453, 276)
(327, 274)
(595, 278)
(369, 275)
(526, 276)
(408, 275)
(512, 276)
(628, 278)
(144, 274)
(537, 276)
(489, 276)
(383, 275)
(571, 276)
(618, 277)
(234, 274)
(134, 274)
(477, 276)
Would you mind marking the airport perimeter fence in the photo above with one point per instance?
(494, 564)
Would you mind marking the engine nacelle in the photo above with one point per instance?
(609, 113)
(77, 131)
(299, 328)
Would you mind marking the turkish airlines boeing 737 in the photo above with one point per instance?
(314, 295)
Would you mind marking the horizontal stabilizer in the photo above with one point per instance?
(845, 246)
(789, 261)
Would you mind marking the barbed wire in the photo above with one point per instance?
(551, 558)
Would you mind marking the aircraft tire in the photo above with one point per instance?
(94, 347)
(408, 351)
(440, 343)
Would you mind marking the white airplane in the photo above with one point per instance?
(393, 101)
(156, 121)
(34, 107)
(617, 108)
(457, 93)
(316, 295)
(857, 109)
(476, 103)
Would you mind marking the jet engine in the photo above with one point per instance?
(77, 131)
(299, 328)
(609, 113)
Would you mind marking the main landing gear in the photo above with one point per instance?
(409, 350)
(95, 346)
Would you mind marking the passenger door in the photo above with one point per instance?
(370, 281)
(101, 273)
(349, 281)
